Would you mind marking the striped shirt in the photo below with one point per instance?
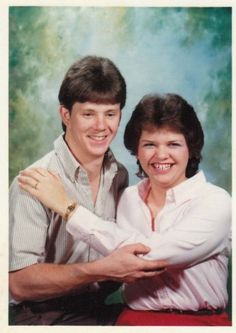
(37, 234)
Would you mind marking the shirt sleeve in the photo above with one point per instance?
(28, 229)
(202, 232)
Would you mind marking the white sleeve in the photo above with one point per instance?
(202, 233)
(104, 236)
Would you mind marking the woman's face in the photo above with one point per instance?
(163, 154)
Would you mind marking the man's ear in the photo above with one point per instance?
(65, 115)
(120, 117)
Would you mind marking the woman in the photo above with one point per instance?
(184, 219)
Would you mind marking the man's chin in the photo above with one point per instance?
(99, 152)
(98, 148)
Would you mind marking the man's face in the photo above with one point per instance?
(90, 128)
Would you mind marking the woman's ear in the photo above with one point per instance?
(65, 115)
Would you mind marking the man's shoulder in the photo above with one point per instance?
(122, 173)
(115, 165)
(121, 167)
(48, 161)
(45, 161)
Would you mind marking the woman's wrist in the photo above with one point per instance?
(70, 209)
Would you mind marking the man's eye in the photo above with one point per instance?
(87, 114)
(148, 145)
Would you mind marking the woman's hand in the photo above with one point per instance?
(47, 187)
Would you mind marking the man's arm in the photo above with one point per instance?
(41, 281)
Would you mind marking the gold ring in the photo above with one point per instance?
(36, 185)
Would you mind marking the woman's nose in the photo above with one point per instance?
(161, 153)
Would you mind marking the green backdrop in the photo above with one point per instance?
(180, 50)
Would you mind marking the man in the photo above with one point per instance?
(55, 280)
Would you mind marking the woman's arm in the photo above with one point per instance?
(202, 232)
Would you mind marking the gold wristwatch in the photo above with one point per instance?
(69, 210)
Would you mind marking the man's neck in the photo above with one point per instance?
(91, 164)
(93, 168)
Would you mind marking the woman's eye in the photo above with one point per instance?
(174, 144)
(112, 114)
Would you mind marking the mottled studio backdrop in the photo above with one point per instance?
(180, 50)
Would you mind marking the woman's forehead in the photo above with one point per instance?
(150, 128)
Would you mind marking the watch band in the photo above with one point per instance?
(69, 210)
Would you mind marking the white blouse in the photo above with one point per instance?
(192, 232)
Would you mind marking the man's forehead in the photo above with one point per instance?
(96, 107)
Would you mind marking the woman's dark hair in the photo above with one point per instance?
(170, 111)
(92, 79)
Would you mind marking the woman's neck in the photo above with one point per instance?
(158, 193)
(156, 199)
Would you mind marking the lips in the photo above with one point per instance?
(98, 138)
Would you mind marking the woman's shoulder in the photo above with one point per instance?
(215, 190)
(212, 198)
(204, 189)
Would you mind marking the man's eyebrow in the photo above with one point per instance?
(86, 110)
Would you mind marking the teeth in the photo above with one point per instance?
(97, 137)
(162, 166)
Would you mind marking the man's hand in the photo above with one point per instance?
(125, 264)
(40, 281)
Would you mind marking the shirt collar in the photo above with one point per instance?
(188, 189)
(184, 191)
(72, 166)
(144, 188)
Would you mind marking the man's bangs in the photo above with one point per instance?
(106, 98)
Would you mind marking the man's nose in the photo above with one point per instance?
(100, 122)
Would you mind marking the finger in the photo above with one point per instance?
(30, 173)
(154, 265)
(152, 273)
(35, 172)
(54, 174)
(138, 248)
(28, 181)
(156, 271)
(42, 171)
(28, 188)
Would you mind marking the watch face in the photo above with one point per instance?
(69, 209)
